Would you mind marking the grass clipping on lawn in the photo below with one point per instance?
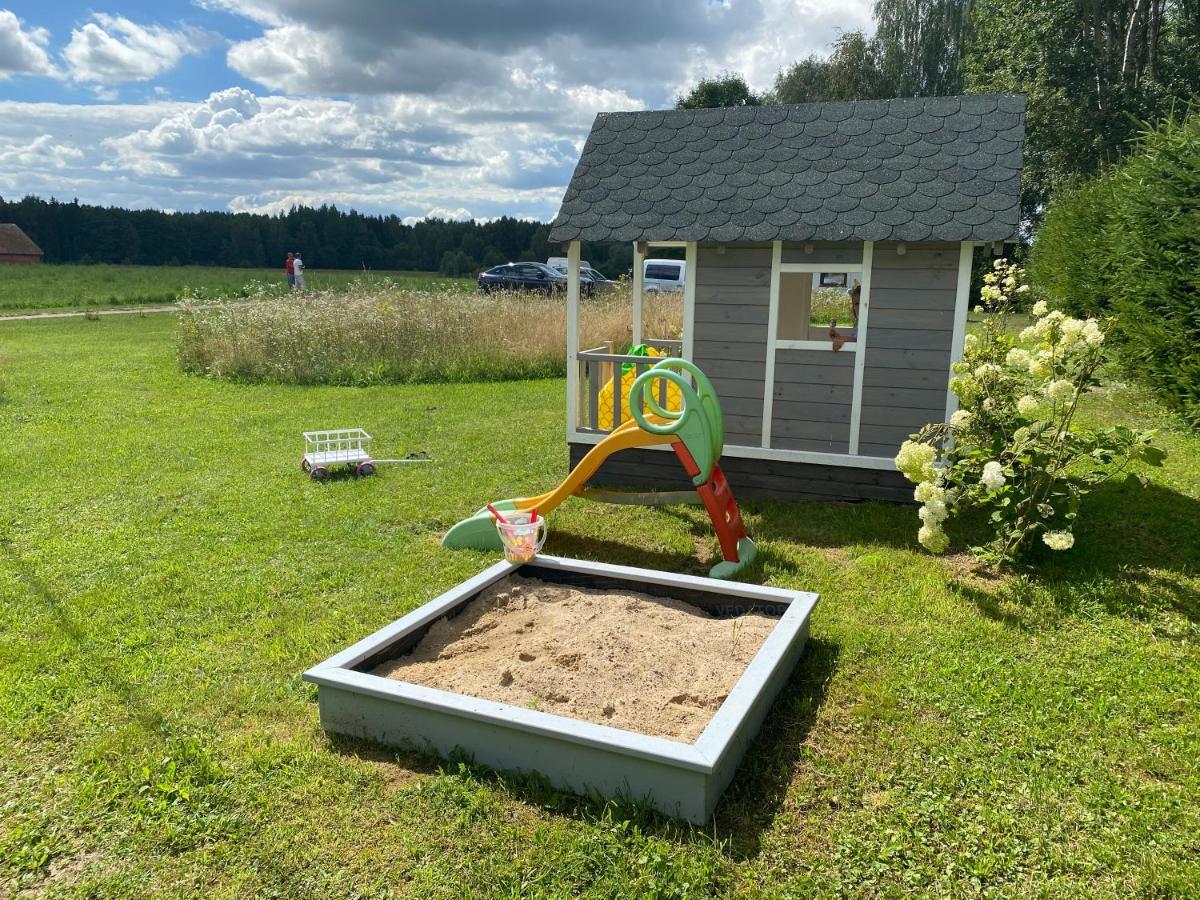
(654, 665)
(397, 335)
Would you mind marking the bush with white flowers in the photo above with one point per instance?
(1012, 447)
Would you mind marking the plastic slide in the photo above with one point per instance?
(695, 431)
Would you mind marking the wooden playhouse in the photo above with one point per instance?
(775, 207)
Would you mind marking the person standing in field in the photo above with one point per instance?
(298, 272)
(288, 268)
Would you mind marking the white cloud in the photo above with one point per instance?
(460, 108)
(22, 50)
(112, 49)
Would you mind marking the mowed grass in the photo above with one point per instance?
(166, 575)
(67, 287)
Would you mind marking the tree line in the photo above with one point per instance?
(1095, 71)
(329, 238)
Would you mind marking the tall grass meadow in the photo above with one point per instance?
(397, 335)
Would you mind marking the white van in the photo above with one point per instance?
(662, 274)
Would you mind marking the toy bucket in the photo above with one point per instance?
(520, 536)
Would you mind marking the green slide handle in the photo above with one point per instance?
(638, 398)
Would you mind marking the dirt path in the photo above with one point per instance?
(66, 314)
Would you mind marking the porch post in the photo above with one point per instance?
(572, 338)
(639, 257)
(962, 298)
(689, 299)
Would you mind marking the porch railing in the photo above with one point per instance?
(597, 367)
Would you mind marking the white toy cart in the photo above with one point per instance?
(337, 447)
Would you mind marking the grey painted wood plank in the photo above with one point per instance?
(904, 339)
(734, 295)
(814, 446)
(728, 368)
(910, 398)
(811, 411)
(893, 435)
(786, 373)
(888, 358)
(714, 314)
(918, 279)
(923, 319)
(833, 253)
(928, 379)
(825, 358)
(750, 276)
(709, 258)
(705, 348)
(885, 450)
(734, 389)
(747, 333)
(812, 393)
(823, 431)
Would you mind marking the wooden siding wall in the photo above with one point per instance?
(733, 298)
(812, 400)
(909, 335)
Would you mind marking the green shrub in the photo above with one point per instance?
(1155, 277)
(1069, 262)
(1129, 243)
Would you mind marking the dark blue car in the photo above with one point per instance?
(522, 276)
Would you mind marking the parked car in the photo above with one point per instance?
(662, 274)
(590, 280)
(521, 276)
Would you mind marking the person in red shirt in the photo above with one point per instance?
(291, 273)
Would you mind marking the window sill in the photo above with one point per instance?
(848, 347)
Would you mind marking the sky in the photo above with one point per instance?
(451, 108)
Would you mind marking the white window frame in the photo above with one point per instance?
(856, 346)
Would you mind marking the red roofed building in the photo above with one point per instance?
(16, 247)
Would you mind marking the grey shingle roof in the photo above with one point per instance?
(931, 168)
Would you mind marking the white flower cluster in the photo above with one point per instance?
(1058, 540)
(1060, 391)
(915, 461)
(933, 513)
(1028, 406)
(960, 420)
(993, 476)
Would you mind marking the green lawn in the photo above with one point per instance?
(167, 573)
(63, 287)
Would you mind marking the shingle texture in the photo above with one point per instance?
(15, 242)
(923, 169)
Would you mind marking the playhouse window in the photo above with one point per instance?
(806, 308)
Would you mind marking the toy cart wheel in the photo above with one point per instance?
(319, 473)
(305, 466)
(364, 468)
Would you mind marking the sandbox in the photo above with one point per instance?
(528, 668)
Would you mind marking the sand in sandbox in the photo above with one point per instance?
(653, 665)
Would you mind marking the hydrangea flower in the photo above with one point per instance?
(1018, 358)
(1092, 333)
(1060, 390)
(1028, 406)
(993, 476)
(933, 538)
(927, 490)
(970, 340)
(1041, 308)
(915, 461)
(960, 419)
(1058, 540)
(1041, 366)
(933, 513)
